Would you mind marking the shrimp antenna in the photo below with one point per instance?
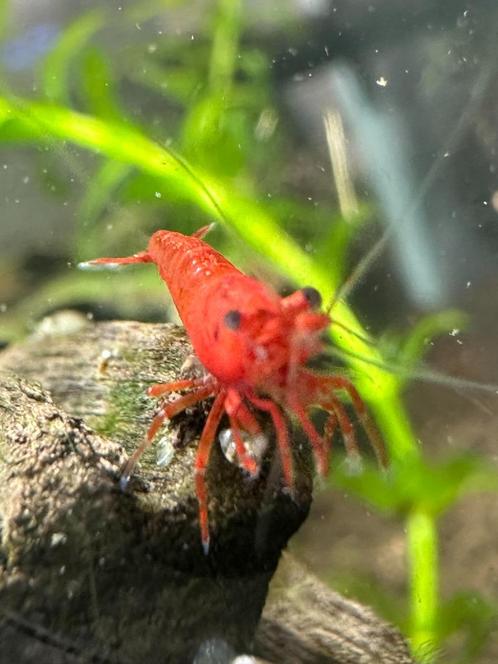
(420, 373)
(360, 270)
(362, 337)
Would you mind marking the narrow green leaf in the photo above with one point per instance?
(98, 87)
(56, 72)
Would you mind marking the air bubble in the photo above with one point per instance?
(255, 446)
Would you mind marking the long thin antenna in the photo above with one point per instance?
(362, 337)
(419, 373)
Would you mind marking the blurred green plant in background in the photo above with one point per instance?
(212, 134)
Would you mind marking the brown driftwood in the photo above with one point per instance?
(305, 622)
(89, 573)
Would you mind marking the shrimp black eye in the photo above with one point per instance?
(312, 296)
(232, 319)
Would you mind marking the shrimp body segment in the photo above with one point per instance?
(255, 346)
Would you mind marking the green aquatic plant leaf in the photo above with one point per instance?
(57, 66)
(418, 484)
(98, 87)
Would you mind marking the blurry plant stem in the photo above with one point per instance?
(44, 123)
(336, 141)
(423, 558)
(224, 47)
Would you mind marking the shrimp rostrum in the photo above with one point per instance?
(255, 346)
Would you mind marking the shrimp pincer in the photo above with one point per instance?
(255, 346)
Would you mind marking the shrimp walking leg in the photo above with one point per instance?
(158, 389)
(328, 432)
(247, 461)
(335, 383)
(201, 463)
(167, 411)
(280, 425)
(318, 442)
(241, 418)
(346, 426)
(172, 408)
(247, 421)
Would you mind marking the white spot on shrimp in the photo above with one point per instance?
(261, 353)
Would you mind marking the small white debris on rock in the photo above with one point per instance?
(165, 452)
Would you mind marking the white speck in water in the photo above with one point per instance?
(158, 194)
(3, 308)
(454, 332)
(382, 82)
(26, 179)
(468, 284)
